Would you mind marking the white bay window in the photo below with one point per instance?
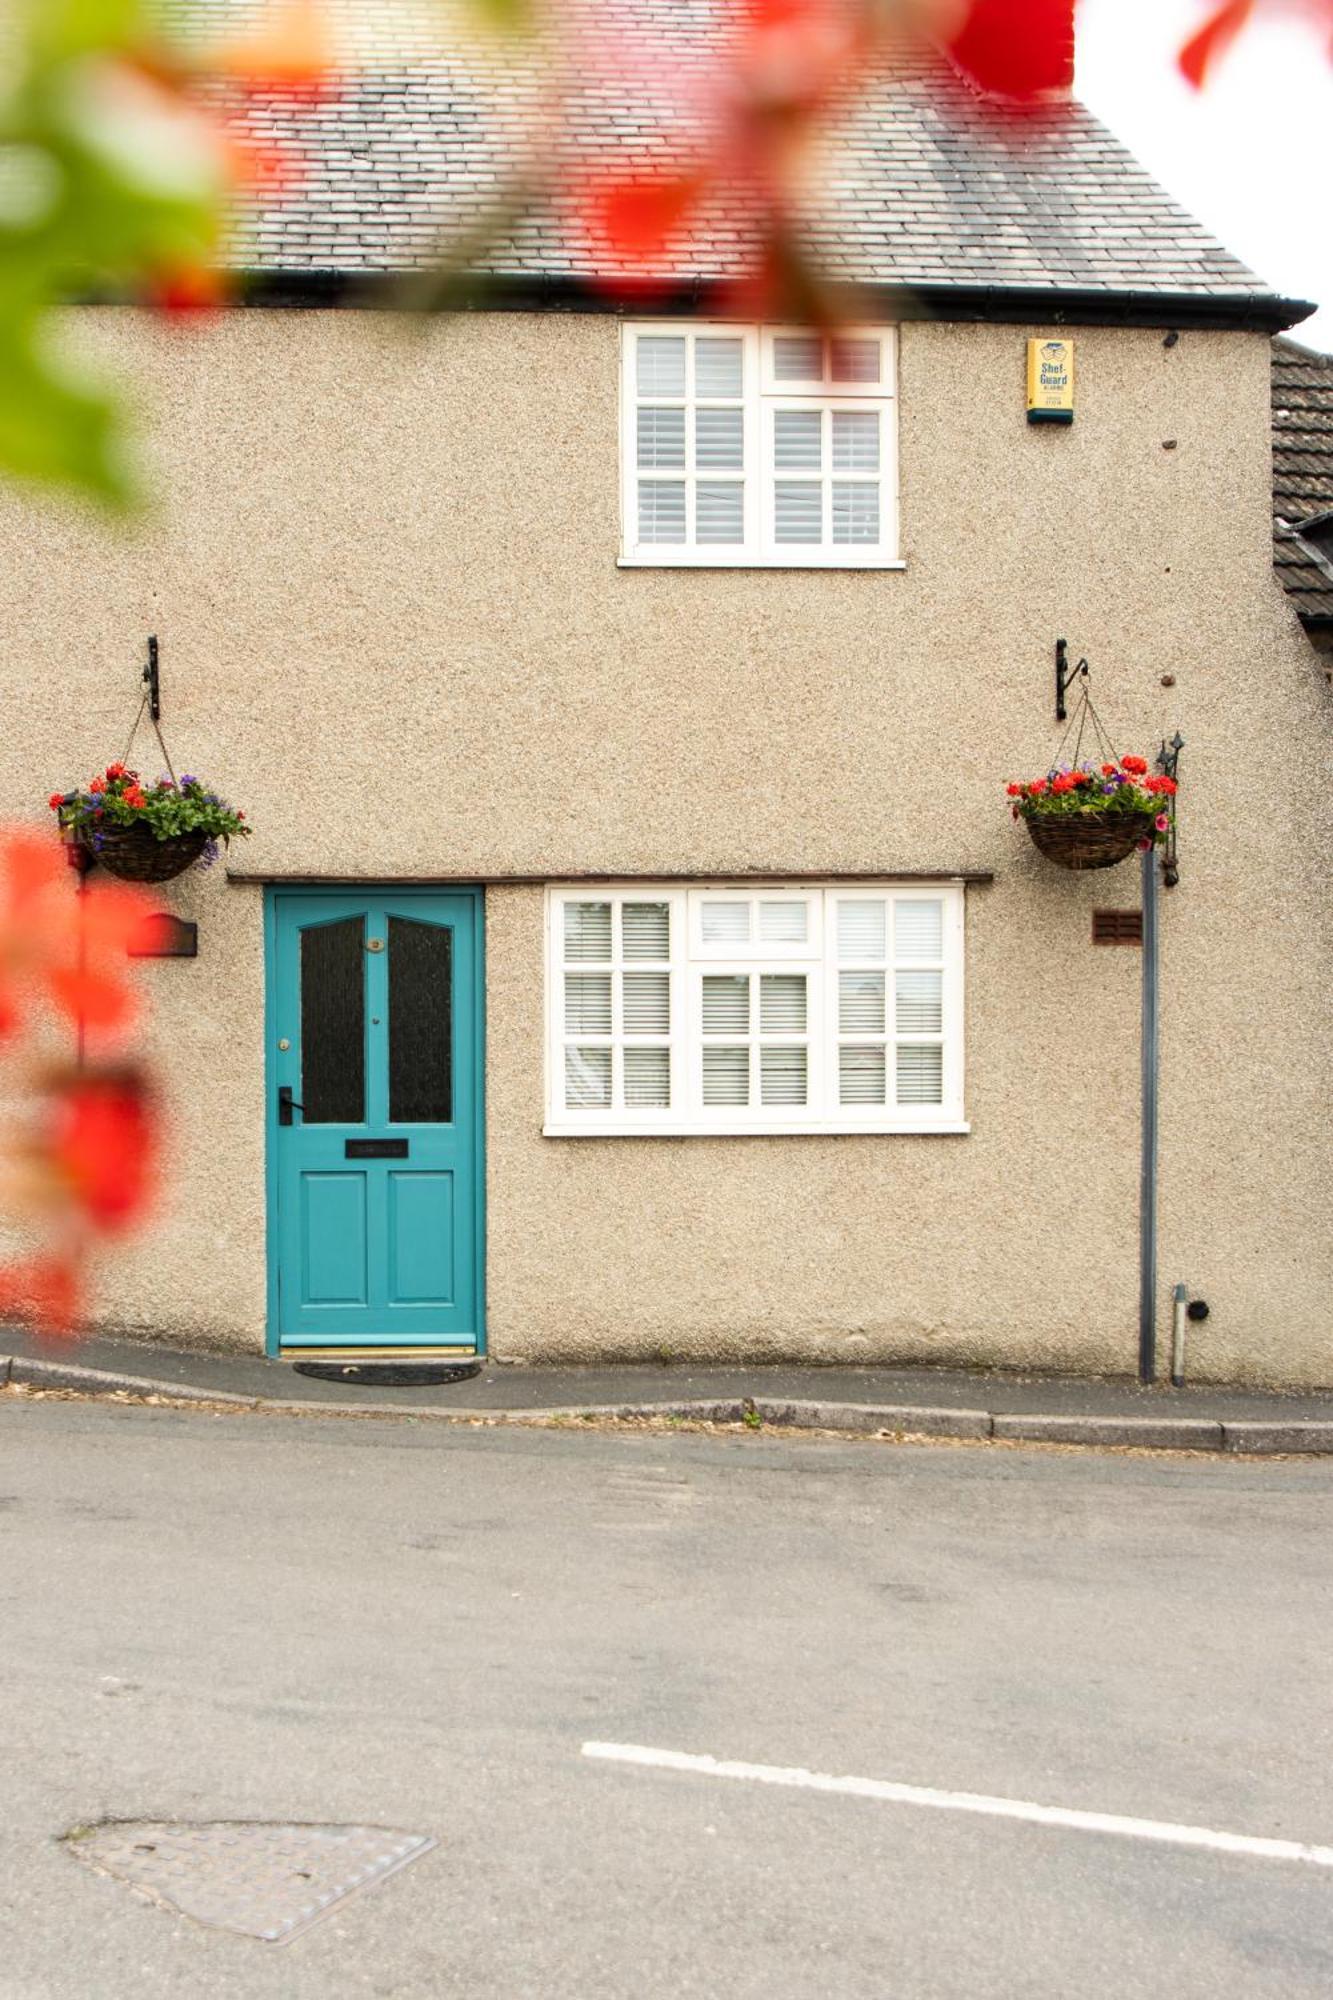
(758, 447)
(802, 1008)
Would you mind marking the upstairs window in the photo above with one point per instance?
(758, 447)
(792, 1008)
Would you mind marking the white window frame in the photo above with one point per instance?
(692, 961)
(760, 396)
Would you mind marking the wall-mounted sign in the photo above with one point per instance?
(162, 935)
(1050, 381)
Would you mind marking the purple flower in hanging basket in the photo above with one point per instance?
(209, 854)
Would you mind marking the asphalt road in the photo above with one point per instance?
(242, 1617)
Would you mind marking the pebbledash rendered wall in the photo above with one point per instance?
(383, 572)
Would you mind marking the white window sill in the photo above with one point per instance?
(818, 1130)
(690, 560)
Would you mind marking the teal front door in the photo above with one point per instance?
(375, 1127)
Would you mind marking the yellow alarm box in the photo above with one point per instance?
(1050, 381)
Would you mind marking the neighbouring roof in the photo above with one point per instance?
(1303, 478)
(925, 187)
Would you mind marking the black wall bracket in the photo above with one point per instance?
(152, 681)
(1166, 760)
(1065, 676)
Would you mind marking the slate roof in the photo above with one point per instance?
(1303, 477)
(925, 185)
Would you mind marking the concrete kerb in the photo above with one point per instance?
(104, 1381)
(1251, 1437)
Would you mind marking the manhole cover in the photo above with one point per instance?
(263, 1880)
(389, 1374)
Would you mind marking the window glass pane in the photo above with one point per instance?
(854, 360)
(661, 510)
(782, 1077)
(855, 511)
(718, 367)
(647, 1078)
(647, 999)
(587, 1003)
(855, 440)
(799, 513)
(920, 1009)
(918, 929)
(661, 364)
(333, 1023)
(718, 440)
(727, 1004)
(646, 930)
(420, 1022)
(726, 923)
(861, 929)
(783, 923)
(782, 1003)
(661, 439)
(920, 1074)
(726, 1076)
(798, 440)
(588, 931)
(588, 1079)
(719, 512)
(861, 1076)
(861, 1002)
(798, 357)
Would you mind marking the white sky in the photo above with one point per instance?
(1251, 156)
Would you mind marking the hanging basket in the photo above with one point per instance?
(136, 855)
(1088, 839)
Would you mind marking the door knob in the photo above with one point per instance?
(287, 1104)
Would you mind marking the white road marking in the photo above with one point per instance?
(1256, 1846)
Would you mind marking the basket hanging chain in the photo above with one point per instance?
(1085, 712)
(157, 731)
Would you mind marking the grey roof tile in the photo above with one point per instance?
(921, 179)
(1303, 475)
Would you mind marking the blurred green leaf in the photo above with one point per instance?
(512, 17)
(110, 182)
(56, 429)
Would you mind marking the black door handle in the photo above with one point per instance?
(287, 1104)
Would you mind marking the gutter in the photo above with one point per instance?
(1012, 306)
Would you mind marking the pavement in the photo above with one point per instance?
(932, 1402)
(423, 1626)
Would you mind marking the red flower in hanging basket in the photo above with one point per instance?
(1086, 817)
(148, 833)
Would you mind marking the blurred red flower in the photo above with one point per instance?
(68, 948)
(103, 1145)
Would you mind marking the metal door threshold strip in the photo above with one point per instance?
(291, 1353)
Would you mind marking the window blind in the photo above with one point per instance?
(759, 445)
(735, 1010)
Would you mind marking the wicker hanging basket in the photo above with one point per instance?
(136, 855)
(1088, 839)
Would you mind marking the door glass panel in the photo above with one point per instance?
(420, 1023)
(333, 1023)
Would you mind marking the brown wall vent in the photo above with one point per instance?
(1117, 927)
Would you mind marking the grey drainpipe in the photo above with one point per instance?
(1148, 1159)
